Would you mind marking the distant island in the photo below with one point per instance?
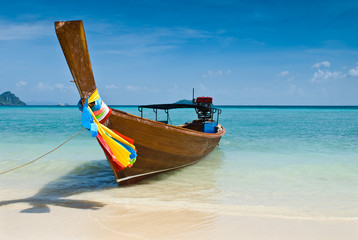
(9, 99)
(184, 101)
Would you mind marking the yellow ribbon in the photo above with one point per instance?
(121, 154)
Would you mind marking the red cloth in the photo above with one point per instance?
(117, 166)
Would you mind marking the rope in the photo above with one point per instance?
(23, 165)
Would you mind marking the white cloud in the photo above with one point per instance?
(258, 91)
(21, 84)
(354, 71)
(322, 64)
(132, 88)
(111, 86)
(325, 76)
(48, 87)
(211, 74)
(214, 74)
(137, 41)
(293, 90)
(20, 31)
(290, 79)
(59, 86)
(137, 50)
(190, 33)
(43, 86)
(283, 73)
(202, 87)
(286, 75)
(151, 89)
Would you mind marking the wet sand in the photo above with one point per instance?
(134, 221)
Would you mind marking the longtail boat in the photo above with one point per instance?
(160, 146)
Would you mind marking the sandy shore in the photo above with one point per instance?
(131, 221)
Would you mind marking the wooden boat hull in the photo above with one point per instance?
(161, 147)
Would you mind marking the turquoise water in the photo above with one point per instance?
(285, 162)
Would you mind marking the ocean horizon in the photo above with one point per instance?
(218, 106)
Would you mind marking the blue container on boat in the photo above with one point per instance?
(210, 127)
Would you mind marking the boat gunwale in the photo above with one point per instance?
(170, 127)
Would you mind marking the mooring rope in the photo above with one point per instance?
(23, 165)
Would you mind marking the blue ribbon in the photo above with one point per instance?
(87, 120)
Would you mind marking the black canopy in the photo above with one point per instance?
(174, 106)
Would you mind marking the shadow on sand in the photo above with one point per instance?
(89, 177)
(97, 175)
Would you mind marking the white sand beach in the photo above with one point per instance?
(132, 221)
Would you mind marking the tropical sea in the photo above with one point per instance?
(276, 166)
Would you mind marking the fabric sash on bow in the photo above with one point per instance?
(118, 148)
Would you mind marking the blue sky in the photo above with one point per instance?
(144, 52)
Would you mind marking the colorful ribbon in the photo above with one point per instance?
(119, 149)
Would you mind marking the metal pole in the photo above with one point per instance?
(156, 113)
(167, 111)
(140, 109)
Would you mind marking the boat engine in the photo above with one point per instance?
(205, 112)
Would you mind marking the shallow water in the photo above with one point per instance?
(283, 162)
